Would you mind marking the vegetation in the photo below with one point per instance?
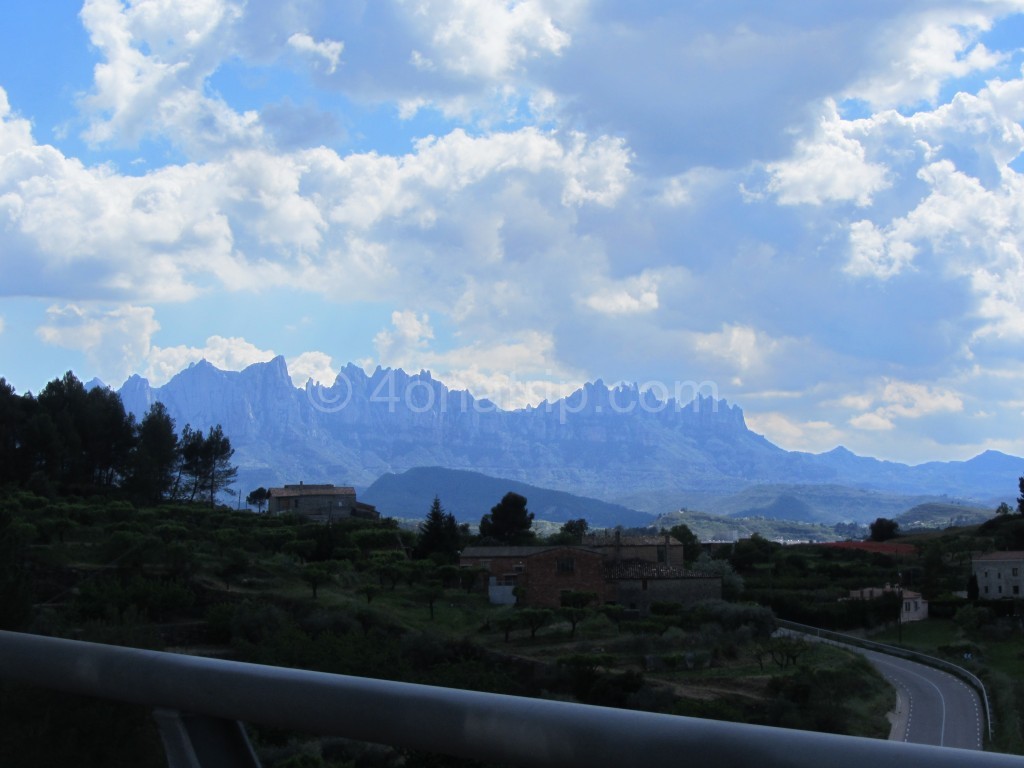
(79, 442)
(113, 534)
(508, 522)
(358, 597)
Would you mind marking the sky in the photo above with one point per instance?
(812, 210)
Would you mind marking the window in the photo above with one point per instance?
(1016, 572)
(1016, 589)
(566, 565)
(519, 568)
(986, 590)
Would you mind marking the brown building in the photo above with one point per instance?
(540, 573)
(637, 584)
(543, 573)
(320, 503)
(663, 548)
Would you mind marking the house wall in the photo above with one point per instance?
(311, 505)
(914, 609)
(543, 576)
(652, 553)
(549, 577)
(639, 594)
(999, 578)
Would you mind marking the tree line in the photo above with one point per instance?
(69, 440)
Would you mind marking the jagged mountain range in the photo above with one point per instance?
(619, 444)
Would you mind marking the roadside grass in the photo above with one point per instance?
(923, 636)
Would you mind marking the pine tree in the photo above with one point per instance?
(509, 521)
(439, 535)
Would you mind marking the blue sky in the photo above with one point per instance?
(816, 207)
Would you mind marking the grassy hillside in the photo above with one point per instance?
(940, 515)
(710, 527)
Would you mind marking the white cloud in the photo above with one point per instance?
(328, 50)
(488, 39)
(742, 346)
(874, 422)
(511, 373)
(633, 295)
(921, 52)
(793, 433)
(2, 324)
(228, 354)
(402, 344)
(113, 340)
(315, 366)
(873, 253)
(156, 58)
(829, 167)
(904, 400)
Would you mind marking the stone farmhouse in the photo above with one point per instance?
(999, 574)
(632, 577)
(319, 503)
(663, 548)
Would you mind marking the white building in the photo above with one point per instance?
(915, 607)
(999, 574)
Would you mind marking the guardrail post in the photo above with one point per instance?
(199, 741)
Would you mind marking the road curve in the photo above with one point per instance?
(933, 707)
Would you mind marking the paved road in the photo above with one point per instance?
(933, 707)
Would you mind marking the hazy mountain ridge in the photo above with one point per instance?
(468, 495)
(617, 444)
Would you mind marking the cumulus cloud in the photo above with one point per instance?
(317, 367)
(742, 346)
(113, 340)
(405, 341)
(328, 50)
(512, 373)
(786, 431)
(921, 52)
(489, 39)
(831, 166)
(155, 60)
(626, 297)
(905, 400)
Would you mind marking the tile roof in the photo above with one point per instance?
(522, 551)
(1010, 555)
(606, 539)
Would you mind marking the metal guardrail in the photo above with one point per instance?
(904, 653)
(491, 727)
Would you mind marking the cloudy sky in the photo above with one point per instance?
(815, 207)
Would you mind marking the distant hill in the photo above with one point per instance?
(470, 495)
(709, 527)
(826, 504)
(942, 515)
